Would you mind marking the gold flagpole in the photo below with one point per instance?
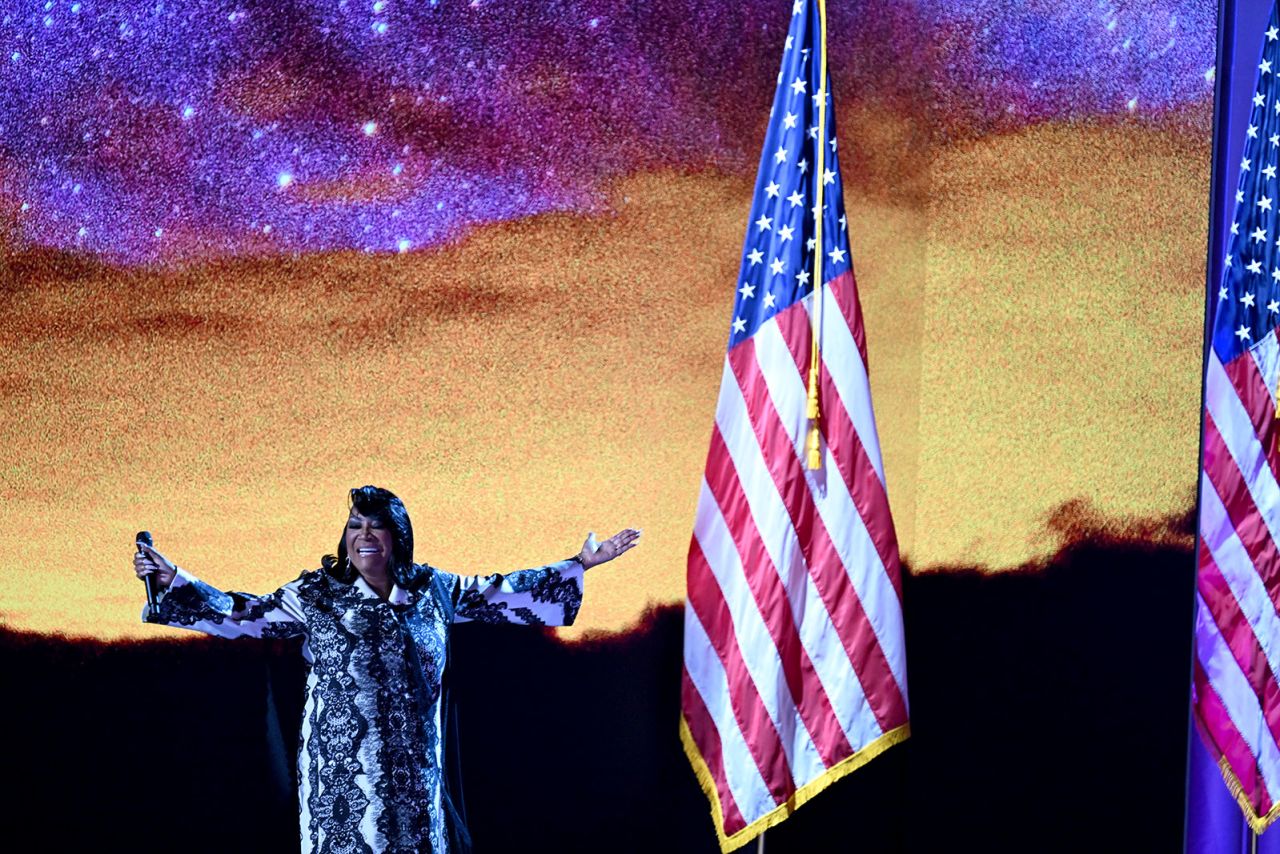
(814, 411)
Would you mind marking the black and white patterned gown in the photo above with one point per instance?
(370, 763)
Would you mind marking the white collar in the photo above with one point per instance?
(397, 596)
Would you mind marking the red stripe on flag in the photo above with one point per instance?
(707, 737)
(845, 290)
(758, 729)
(1228, 482)
(1256, 399)
(855, 468)
(1228, 743)
(806, 688)
(848, 616)
(1240, 638)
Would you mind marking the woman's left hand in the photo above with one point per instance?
(609, 549)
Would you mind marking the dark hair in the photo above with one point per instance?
(383, 505)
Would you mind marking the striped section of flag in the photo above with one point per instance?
(794, 659)
(1236, 695)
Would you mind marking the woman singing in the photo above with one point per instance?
(375, 636)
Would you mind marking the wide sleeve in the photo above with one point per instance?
(191, 604)
(546, 596)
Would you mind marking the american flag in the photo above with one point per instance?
(794, 661)
(1237, 630)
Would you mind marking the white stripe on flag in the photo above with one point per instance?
(1237, 568)
(817, 633)
(849, 374)
(1237, 696)
(846, 527)
(758, 649)
(1236, 428)
(707, 674)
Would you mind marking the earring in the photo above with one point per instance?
(348, 563)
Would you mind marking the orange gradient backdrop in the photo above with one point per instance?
(1033, 304)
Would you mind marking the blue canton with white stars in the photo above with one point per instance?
(778, 253)
(1248, 305)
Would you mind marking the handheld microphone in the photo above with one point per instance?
(144, 537)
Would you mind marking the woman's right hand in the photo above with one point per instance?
(148, 561)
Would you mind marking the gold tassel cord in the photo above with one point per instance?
(814, 409)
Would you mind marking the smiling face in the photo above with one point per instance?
(369, 545)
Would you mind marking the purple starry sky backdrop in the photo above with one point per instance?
(147, 132)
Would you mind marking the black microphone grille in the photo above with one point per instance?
(144, 537)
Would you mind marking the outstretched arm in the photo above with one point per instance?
(188, 602)
(594, 554)
(545, 596)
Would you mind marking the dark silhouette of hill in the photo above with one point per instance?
(1048, 711)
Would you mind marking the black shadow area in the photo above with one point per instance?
(1048, 712)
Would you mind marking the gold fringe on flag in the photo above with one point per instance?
(1257, 823)
(841, 769)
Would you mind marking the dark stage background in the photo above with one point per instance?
(1037, 698)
